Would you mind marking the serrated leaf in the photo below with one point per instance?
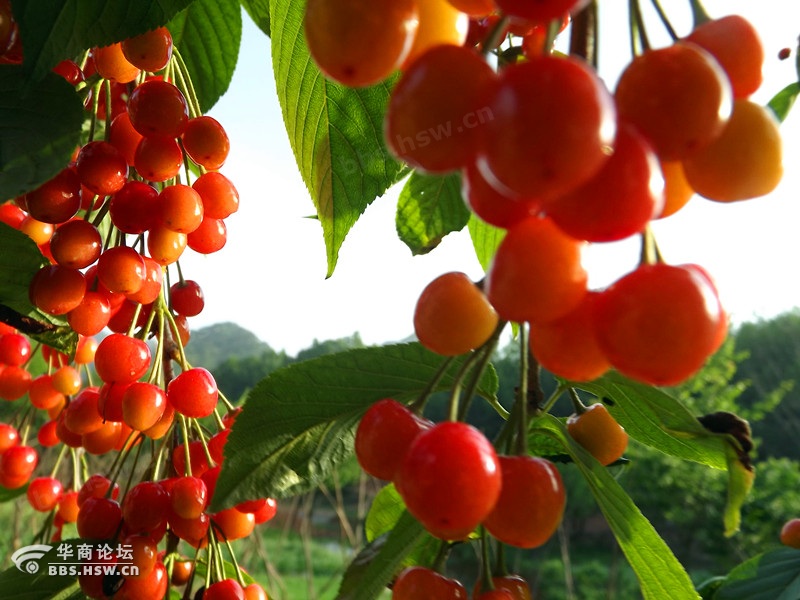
(485, 240)
(336, 133)
(661, 576)
(782, 102)
(259, 12)
(375, 566)
(40, 127)
(299, 422)
(774, 575)
(208, 35)
(654, 418)
(429, 208)
(19, 585)
(54, 31)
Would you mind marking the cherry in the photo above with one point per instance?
(56, 290)
(536, 274)
(121, 359)
(231, 524)
(189, 497)
(266, 512)
(542, 145)
(439, 24)
(76, 244)
(490, 205)
(47, 436)
(193, 393)
(143, 405)
(227, 589)
(384, 435)
(158, 159)
(15, 349)
(165, 246)
(515, 585)
(14, 382)
(162, 427)
(531, 502)
(149, 51)
(474, 8)
(154, 585)
(659, 323)
(677, 96)
(790, 533)
(210, 237)
(111, 64)
(151, 286)
(96, 486)
(206, 142)
(38, 231)
(597, 431)
(121, 269)
(9, 437)
(145, 507)
(357, 42)
(181, 208)
(133, 209)
(255, 592)
(220, 198)
(567, 346)
(542, 11)
(144, 550)
(56, 200)
(193, 531)
(621, 198)
(158, 108)
(453, 316)
(44, 493)
(67, 380)
(104, 439)
(124, 137)
(87, 346)
(43, 394)
(68, 507)
(197, 458)
(181, 572)
(450, 479)
(677, 191)
(436, 108)
(420, 583)
(82, 414)
(737, 46)
(101, 168)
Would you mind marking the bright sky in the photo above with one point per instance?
(270, 277)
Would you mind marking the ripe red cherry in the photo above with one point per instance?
(96, 486)
(181, 208)
(619, 200)
(210, 237)
(531, 502)
(450, 479)
(82, 414)
(56, 200)
(790, 533)
(231, 524)
(384, 435)
(124, 137)
(420, 583)
(44, 493)
(227, 589)
(121, 359)
(15, 349)
(536, 274)
(515, 585)
(102, 168)
(145, 507)
(206, 142)
(158, 108)
(186, 298)
(76, 244)
(659, 323)
(133, 209)
(121, 269)
(552, 125)
(143, 405)
(492, 206)
(18, 463)
(149, 51)
(437, 107)
(9, 437)
(99, 518)
(56, 290)
(189, 497)
(220, 197)
(193, 393)
(158, 158)
(542, 11)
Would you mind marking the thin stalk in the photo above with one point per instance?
(583, 39)
(699, 13)
(495, 36)
(486, 571)
(484, 355)
(61, 454)
(186, 80)
(521, 406)
(430, 387)
(664, 19)
(185, 434)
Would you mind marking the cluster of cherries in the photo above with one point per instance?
(110, 225)
(552, 157)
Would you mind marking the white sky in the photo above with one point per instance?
(270, 277)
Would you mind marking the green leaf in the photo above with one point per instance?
(656, 419)
(386, 510)
(208, 35)
(19, 585)
(485, 239)
(774, 575)
(299, 422)
(20, 259)
(429, 208)
(40, 127)
(336, 133)
(376, 565)
(661, 576)
(782, 102)
(54, 31)
(6, 495)
(259, 12)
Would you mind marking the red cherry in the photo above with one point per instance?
(158, 108)
(227, 589)
(145, 507)
(99, 518)
(186, 298)
(102, 168)
(450, 479)
(121, 359)
(193, 393)
(44, 493)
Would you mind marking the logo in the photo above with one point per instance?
(27, 557)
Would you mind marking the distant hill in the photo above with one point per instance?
(212, 345)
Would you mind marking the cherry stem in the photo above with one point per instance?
(431, 386)
(239, 576)
(441, 556)
(583, 39)
(95, 107)
(76, 469)
(482, 358)
(521, 406)
(133, 469)
(699, 13)
(548, 404)
(577, 404)
(650, 254)
(61, 454)
(500, 568)
(664, 19)
(494, 37)
(486, 571)
(639, 41)
(187, 469)
(185, 80)
(196, 425)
